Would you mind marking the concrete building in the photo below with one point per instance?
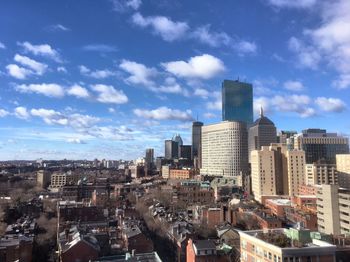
(185, 152)
(282, 245)
(343, 169)
(262, 133)
(277, 171)
(237, 101)
(149, 158)
(43, 178)
(196, 142)
(320, 173)
(171, 149)
(224, 149)
(320, 145)
(333, 209)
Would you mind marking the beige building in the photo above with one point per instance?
(343, 168)
(263, 172)
(277, 171)
(43, 178)
(59, 179)
(224, 149)
(320, 173)
(333, 209)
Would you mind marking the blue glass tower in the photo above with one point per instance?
(237, 101)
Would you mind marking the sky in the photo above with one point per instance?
(109, 78)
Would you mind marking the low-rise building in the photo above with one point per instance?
(282, 245)
(185, 173)
(16, 248)
(277, 206)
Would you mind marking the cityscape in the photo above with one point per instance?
(155, 131)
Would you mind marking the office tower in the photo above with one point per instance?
(171, 149)
(185, 152)
(320, 145)
(320, 173)
(149, 157)
(237, 101)
(277, 171)
(343, 169)
(262, 133)
(177, 138)
(224, 149)
(196, 140)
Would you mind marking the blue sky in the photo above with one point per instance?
(109, 78)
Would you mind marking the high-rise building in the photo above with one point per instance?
(343, 169)
(171, 149)
(262, 133)
(277, 171)
(177, 138)
(149, 157)
(320, 145)
(196, 141)
(333, 208)
(185, 152)
(283, 135)
(237, 101)
(225, 149)
(320, 173)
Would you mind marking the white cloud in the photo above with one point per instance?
(18, 72)
(100, 48)
(164, 113)
(329, 42)
(111, 110)
(77, 121)
(296, 86)
(98, 74)
(42, 50)
(216, 104)
(330, 104)
(124, 5)
(201, 92)
(214, 39)
(3, 113)
(245, 47)
(139, 73)
(75, 141)
(299, 104)
(204, 66)
(37, 67)
(108, 94)
(50, 90)
(21, 112)
(307, 56)
(78, 91)
(61, 69)
(2, 45)
(58, 27)
(293, 3)
(163, 26)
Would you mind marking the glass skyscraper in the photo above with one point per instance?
(237, 101)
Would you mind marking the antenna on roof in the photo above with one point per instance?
(261, 111)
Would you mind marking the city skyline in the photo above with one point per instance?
(152, 67)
